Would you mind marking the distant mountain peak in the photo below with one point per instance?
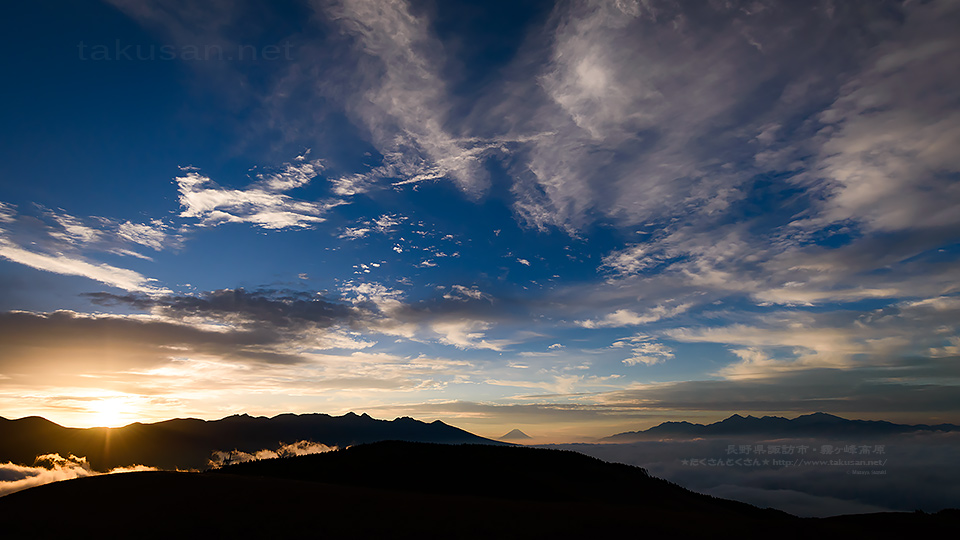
(807, 425)
(820, 416)
(515, 435)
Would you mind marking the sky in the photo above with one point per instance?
(575, 219)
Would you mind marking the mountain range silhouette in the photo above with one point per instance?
(189, 443)
(809, 425)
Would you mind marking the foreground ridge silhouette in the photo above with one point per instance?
(416, 490)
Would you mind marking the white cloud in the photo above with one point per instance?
(387, 223)
(301, 448)
(74, 231)
(625, 317)
(353, 233)
(464, 293)
(388, 301)
(8, 212)
(630, 260)
(353, 184)
(151, 235)
(60, 263)
(262, 203)
(58, 469)
(104, 234)
(51, 468)
(467, 334)
(645, 350)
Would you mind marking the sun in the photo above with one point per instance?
(109, 412)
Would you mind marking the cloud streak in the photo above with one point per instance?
(60, 263)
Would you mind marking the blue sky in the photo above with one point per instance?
(575, 219)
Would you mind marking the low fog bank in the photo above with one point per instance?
(49, 468)
(810, 477)
(301, 448)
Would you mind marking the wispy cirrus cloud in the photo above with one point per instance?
(65, 243)
(886, 144)
(403, 102)
(97, 233)
(59, 263)
(8, 213)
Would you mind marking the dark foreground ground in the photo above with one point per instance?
(416, 490)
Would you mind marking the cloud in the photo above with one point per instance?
(467, 334)
(797, 340)
(151, 236)
(8, 213)
(645, 351)
(85, 343)
(353, 233)
(263, 203)
(301, 448)
(51, 468)
(261, 326)
(897, 387)
(57, 242)
(625, 317)
(105, 234)
(60, 263)
(630, 260)
(277, 308)
(402, 100)
(74, 231)
(817, 490)
(624, 108)
(463, 293)
(374, 295)
(886, 145)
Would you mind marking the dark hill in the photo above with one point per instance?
(189, 443)
(809, 425)
(542, 474)
(408, 490)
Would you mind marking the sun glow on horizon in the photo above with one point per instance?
(114, 411)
